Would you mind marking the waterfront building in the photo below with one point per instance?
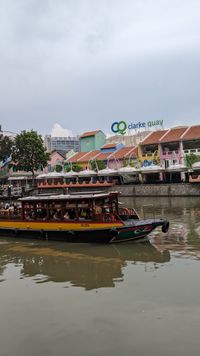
(115, 156)
(92, 140)
(191, 145)
(168, 149)
(191, 140)
(149, 149)
(83, 159)
(171, 149)
(57, 159)
(62, 143)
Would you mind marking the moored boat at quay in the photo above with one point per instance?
(97, 218)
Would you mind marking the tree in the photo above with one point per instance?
(77, 168)
(58, 168)
(5, 147)
(29, 153)
(97, 164)
(190, 159)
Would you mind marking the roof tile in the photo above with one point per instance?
(109, 145)
(173, 135)
(89, 156)
(125, 152)
(154, 137)
(192, 134)
(76, 157)
(89, 133)
(104, 156)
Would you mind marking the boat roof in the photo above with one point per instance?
(68, 196)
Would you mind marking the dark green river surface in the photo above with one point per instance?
(82, 299)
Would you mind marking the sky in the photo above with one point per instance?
(80, 65)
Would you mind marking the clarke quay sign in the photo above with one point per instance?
(121, 127)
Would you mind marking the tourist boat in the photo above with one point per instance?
(81, 217)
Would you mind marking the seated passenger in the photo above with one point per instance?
(72, 214)
(28, 216)
(57, 215)
(41, 214)
(98, 209)
(83, 214)
(66, 216)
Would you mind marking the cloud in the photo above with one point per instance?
(90, 63)
(59, 131)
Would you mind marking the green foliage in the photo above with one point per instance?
(67, 167)
(5, 147)
(190, 159)
(58, 168)
(77, 168)
(125, 162)
(97, 164)
(133, 162)
(28, 152)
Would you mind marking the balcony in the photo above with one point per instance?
(195, 151)
(168, 153)
(149, 154)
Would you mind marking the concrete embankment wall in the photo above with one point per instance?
(165, 190)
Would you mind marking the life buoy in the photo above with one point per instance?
(131, 212)
(124, 211)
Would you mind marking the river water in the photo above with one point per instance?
(129, 299)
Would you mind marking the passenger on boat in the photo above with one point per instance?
(66, 216)
(98, 210)
(82, 215)
(57, 215)
(41, 214)
(72, 214)
(7, 206)
(29, 216)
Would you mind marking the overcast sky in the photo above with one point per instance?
(86, 63)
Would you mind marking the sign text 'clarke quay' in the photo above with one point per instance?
(121, 126)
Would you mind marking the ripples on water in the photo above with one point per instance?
(144, 298)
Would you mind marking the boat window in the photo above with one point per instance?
(40, 211)
(109, 179)
(87, 180)
(67, 180)
(94, 180)
(69, 213)
(80, 180)
(84, 210)
(58, 181)
(10, 210)
(74, 180)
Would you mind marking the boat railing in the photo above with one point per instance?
(128, 213)
(10, 213)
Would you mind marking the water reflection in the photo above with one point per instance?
(83, 265)
(95, 266)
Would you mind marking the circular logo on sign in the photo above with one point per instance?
(119, 127)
